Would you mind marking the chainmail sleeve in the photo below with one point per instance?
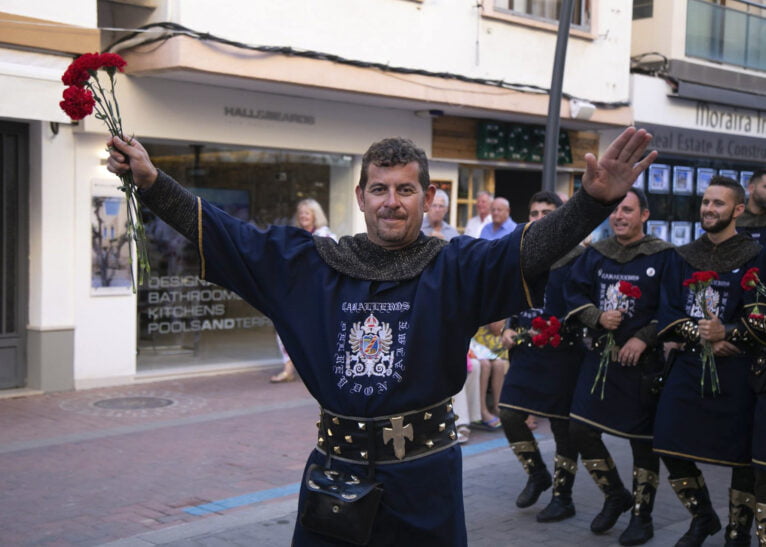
(551, 237)
(172, 203)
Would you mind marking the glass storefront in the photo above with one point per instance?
(183, 321)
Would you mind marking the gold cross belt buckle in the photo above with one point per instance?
(398, 432)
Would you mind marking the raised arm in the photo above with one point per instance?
(605, 183)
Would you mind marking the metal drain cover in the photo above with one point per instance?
(133, 403)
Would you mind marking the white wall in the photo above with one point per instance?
(435, 35)
(52, 195)
(71, 12)
(105, 334)
(169, 109)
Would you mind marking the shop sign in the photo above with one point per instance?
(688, 142)
(269, 115)
(176, 304)
(714, 117)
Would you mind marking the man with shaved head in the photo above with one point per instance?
(501, 224)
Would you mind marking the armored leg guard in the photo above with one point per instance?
(695, 496)
(539, 477)
(560, 506)
(617, 498)
(641, 529)
(741, 514)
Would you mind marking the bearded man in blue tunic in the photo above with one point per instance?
(705, 413)
(753, 218)
(358, 316)
(614, 292)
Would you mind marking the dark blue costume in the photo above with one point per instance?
(595, 282)
(541, 380)
(366, 348)
(691, 423)
(378, 335)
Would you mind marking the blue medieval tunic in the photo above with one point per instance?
(692, 422)
(541, 381)
(378, 339)
(374, 348)
(756, 304)
(594, 287)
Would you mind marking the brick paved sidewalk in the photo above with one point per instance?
(221, 463)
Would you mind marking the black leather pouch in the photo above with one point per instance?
(340, 505)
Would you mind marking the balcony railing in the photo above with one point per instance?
(725, 35)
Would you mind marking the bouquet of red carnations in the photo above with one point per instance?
(698, 284)
(84, 94)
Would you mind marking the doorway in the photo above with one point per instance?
(13, 255)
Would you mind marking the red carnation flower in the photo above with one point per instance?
(112, 60)
(555, 340)
(539, 324)
(750, 279)
(539, 340)
(78, 102)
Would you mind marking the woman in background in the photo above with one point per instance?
(309, 216)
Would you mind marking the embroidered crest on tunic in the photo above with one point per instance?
(370, 354)
(711, 299)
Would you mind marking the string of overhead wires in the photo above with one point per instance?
(142, 36)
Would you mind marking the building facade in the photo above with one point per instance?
(699, 85)
(254, 106)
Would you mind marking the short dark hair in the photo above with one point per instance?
(545, 196)
(758, 173)
(395, 151)
(641, 196)
(733, 185)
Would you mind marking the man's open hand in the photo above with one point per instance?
(609, 178)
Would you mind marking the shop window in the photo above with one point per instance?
(184, 321)
(471, 181)
(643, 9)
(545, 10)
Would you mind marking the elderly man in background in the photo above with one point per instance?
(482, 218)
(433, 220)
(501, 224)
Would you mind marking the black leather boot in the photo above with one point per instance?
(741, 513)
(560, 506)
(641, 529)
(618, 499)
(539, 478)
(760, 523)
(695, 496)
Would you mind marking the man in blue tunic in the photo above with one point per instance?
(614, 291)
(357, 316)
(540, 382)
(705, 413)
(753, 218)
(754, 322)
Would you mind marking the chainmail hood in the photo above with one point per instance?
(357, 257)
(729, 255)
(622, 254)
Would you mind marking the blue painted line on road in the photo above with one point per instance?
(245, 499)
(282, 491)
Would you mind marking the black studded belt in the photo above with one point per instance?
(387, 439)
